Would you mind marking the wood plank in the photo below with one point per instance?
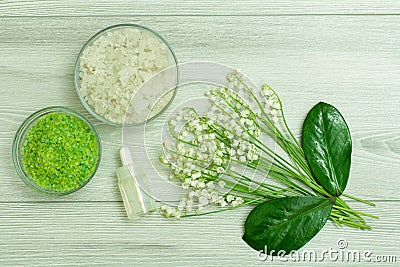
(98, 233)
(351, 62)
(175, 7)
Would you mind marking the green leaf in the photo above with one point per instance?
(286, 223)
(327, 147)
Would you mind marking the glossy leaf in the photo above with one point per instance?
(327, 146)
(286, 223)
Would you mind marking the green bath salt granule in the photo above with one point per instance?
(60, 152)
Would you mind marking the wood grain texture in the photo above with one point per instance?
(98, 233)
(356, 68)
(342, 52)
(73, 8)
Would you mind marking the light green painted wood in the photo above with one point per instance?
(308, 51)
(358, 70)
(192, 7)
(88, 233)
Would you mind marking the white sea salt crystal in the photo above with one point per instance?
(127, 74)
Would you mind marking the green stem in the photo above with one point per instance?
(359, 200)
(357, 212)
(270, 163)
(254, 201)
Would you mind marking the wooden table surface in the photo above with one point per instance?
(343, 52)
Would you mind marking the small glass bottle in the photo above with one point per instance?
(135, 190)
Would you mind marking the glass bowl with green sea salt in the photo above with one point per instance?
(126, 75)
(56, 151)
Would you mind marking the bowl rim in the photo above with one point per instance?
(91, 41)
(20, 137)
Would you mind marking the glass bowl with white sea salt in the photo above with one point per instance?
(126, 74)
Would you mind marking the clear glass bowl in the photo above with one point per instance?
(91, 41)
(19, 142)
